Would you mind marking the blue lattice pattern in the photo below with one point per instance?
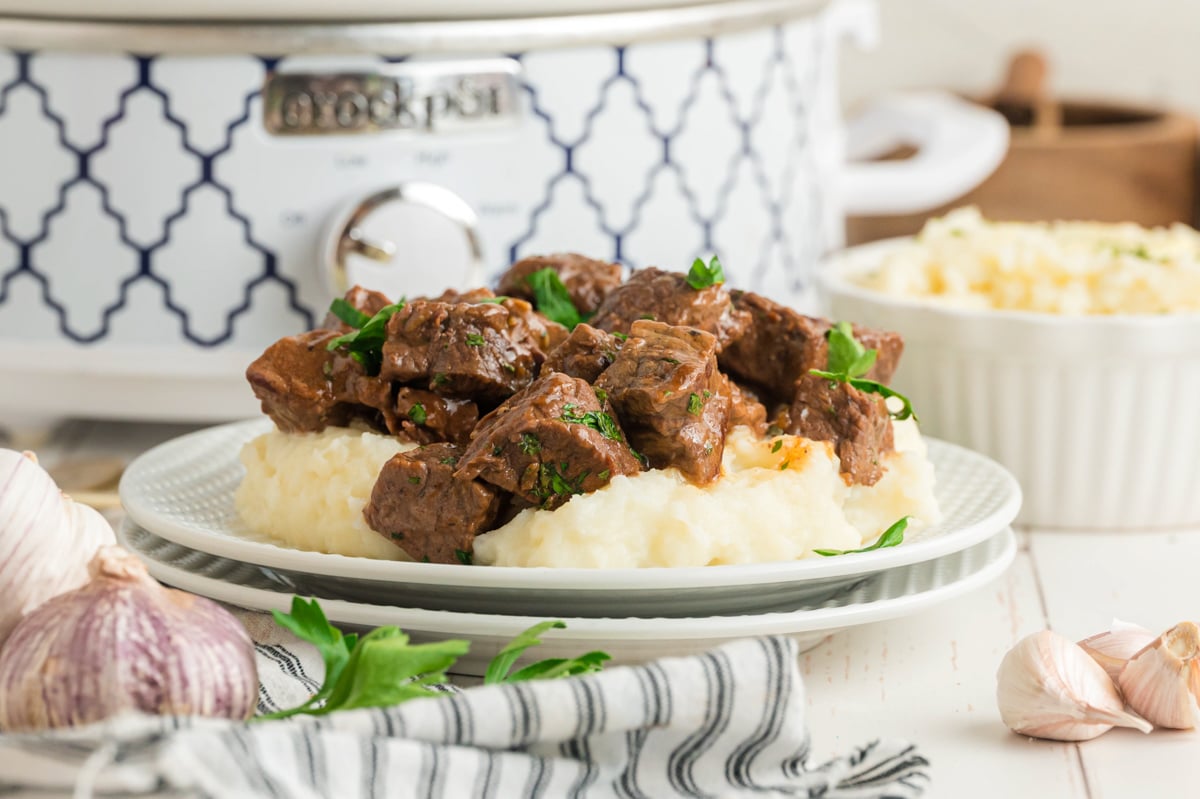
(651, 153)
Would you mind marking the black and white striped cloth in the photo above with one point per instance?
(728, 723)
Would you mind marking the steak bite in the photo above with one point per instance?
(432, 515)
(667, 297)
(548, 442)
(744, 407)
(364, 300)
(291, 379)
(779, 345)
(587, 280)
(666, 388)
(481, 351)
(545, 333)
(857, 423)
(455, 296)
(370, 399)
(585, 354)
(427, 417)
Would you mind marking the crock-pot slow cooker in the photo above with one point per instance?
(181, 183)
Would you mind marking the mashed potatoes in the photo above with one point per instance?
(1071, 268)
(308, 490)
(773, 503)
(759, 511)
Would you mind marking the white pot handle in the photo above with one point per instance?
(959, 145)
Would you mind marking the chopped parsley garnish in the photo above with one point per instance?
(463, 556)
(695, 404)
(508, 367)
(552, 299)
(417, 413)
(619, 336)
(327, 370)
(449, 460)
(604, 474)
(601, 395)
(777, 445)
(849, 361)
(783, 466)
(891, 537)
(415, 480)
(703, 275)
(597, 420)
(475, 339)
(348, 313)
(553, 480)
(492, 300)
(529, 444)
(439, 379)
(365, 344)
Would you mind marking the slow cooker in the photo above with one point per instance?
(181, 183)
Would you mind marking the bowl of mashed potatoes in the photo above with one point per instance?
(1067, 351)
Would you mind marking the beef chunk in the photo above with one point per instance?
(744, 407)
(585, 354)
(291, 379)
(857, 423)
(462, 350)
(454, 296)
(428, 417)
(666, 388)
(548, 442)
(432, 515)
(666, 297)
(587, 280)
(545, 333)
(365, 300)
(369, 399)
(779, 345)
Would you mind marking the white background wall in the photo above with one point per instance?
(1141, 50)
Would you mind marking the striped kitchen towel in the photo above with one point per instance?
(728, 723)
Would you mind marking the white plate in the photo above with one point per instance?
(183, 491)
(899, 592)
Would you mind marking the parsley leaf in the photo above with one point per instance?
(597, 420)
(492, 300)
(498, 671)
(365, 344)
(475, 340)
(552, 299)
(529, 444)
(695, 404)
(891, 537)
(702, 275)
(464, 557)
(348, 313)
(553, 480)
(849, 360)
(417, 413)
(307, 622)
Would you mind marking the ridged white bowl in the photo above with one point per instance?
(1098, 417)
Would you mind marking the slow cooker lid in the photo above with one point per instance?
(321, 10)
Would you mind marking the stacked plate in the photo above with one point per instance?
(182, 522)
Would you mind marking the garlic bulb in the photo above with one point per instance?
(1162, 681)
(46, 538)
(1050, 688)
(1112, 649)
(123, 642)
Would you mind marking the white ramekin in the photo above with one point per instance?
(1098, 417)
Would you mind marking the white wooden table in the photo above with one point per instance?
(930, 678)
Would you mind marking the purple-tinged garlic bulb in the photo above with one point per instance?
(46, 538)
(124, 643)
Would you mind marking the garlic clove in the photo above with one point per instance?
(1048, 687)
(1114, 647)
(1159, 682)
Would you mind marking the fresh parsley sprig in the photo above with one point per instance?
(599, 421)
(552, 299)
(891, 537)
(365, 343)
(703, 275)
(382, 668)
(849, 361)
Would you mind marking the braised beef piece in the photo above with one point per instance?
(667, 297)
(370, 399)
(548, 442)
(291, 379)
(365, 300)
(587, 280)
(432, 515)
(427, 417)
(586, 353)
(545, 333)
(779, 345)
(481, 351)
(744, 407)
(453, 296)
(666, 388)
(857, 423)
